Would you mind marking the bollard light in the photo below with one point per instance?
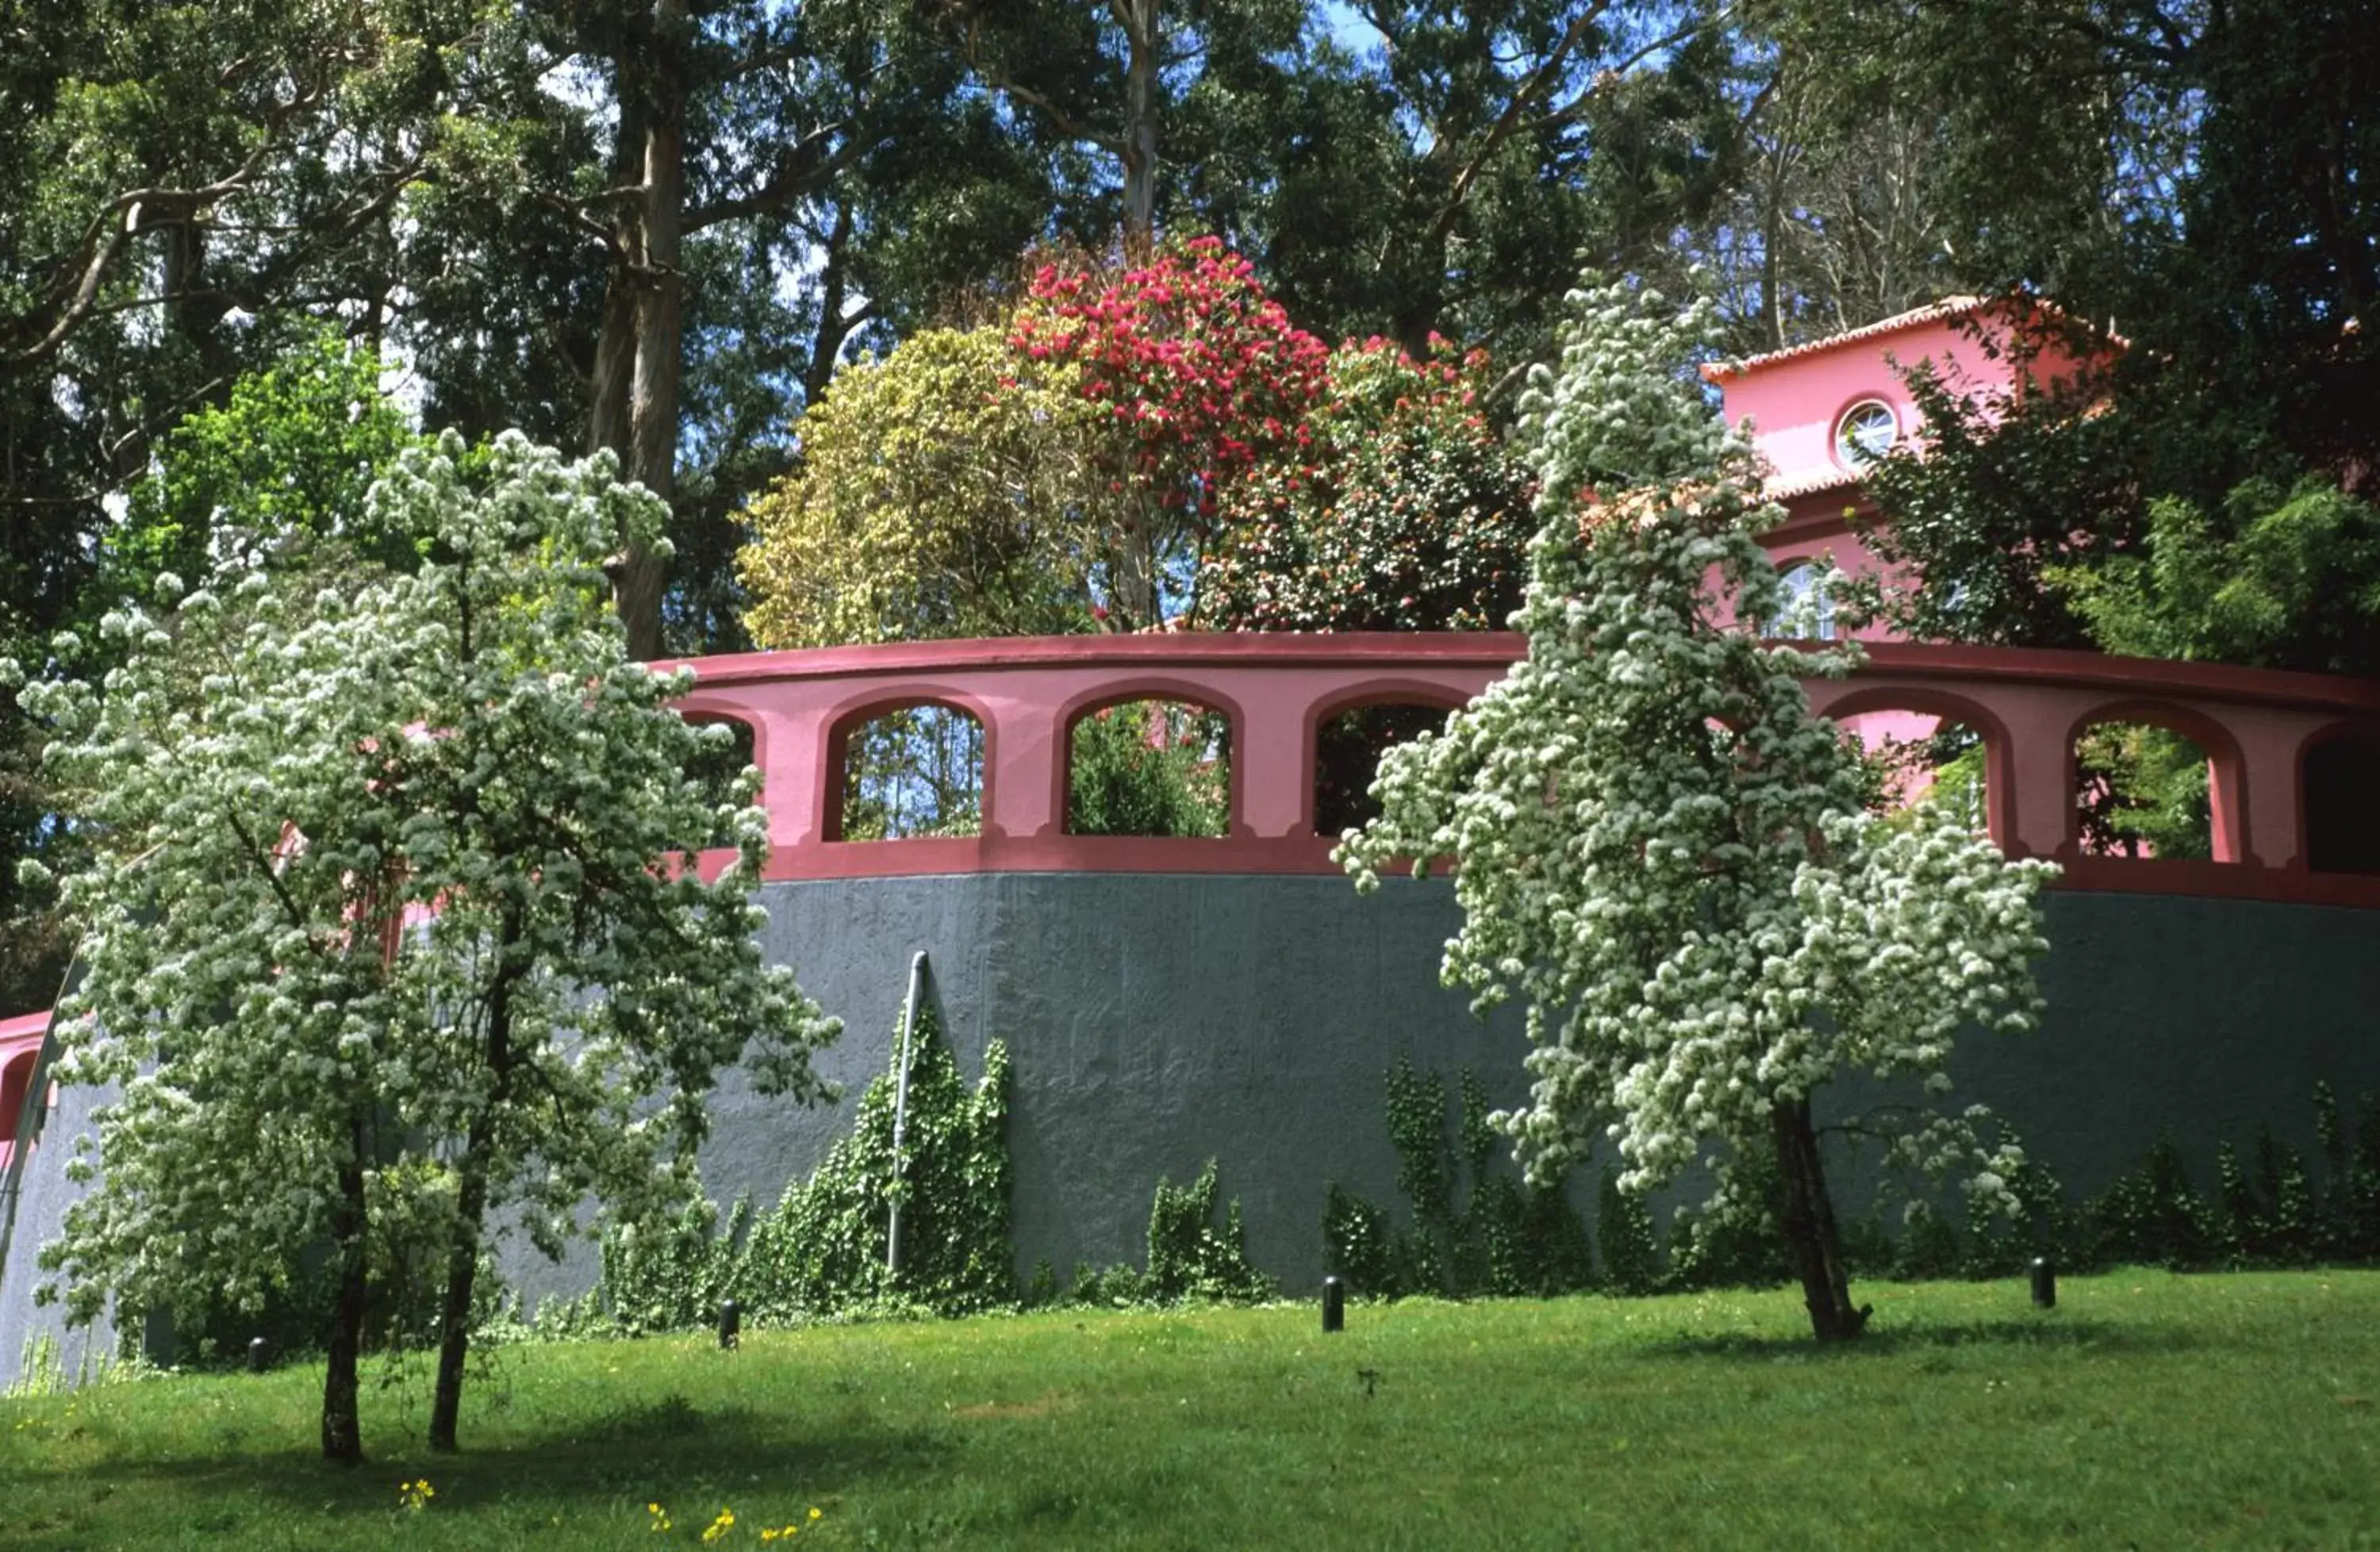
(260, 1352)
(2044, 1283)
(731, 1324)
(1334, 1304)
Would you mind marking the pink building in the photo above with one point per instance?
(1820, 412)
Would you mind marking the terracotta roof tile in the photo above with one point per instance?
(1948, 306)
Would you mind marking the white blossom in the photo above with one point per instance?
(1659, 849)
(341, 839)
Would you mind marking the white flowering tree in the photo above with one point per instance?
(383, 943)
(1661, 851)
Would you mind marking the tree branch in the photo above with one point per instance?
(1539, 81)
(1063, 121)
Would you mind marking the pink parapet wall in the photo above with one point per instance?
(1797, 398)
(21, 1048)
(2256, 727)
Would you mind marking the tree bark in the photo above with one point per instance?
(1812, 1239)
(342, 1425)
(615, 339)
(471, 1203)
(639, 368)
(1144, 34)
(462, 1274)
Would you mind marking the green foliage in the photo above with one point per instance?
(914, 771)
(1150, 768)
(2272, 1212)
(292, 450)
(935, 497)
(820, 1251)
(1474, 1229)
(1739, 1246)
(2281, 578)
(1190, 1256)
(2144, 792)
(2154, 1215)
(375, 945)
(1406, 512)
(1625, 1236)
(2010, 491)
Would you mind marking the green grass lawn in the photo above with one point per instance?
(2148, 1410)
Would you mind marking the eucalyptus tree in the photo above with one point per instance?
(1662, 853)
(1150, 91)
(1511, 138)
(382, 934)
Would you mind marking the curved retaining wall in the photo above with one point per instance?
(1172, 1000)
(1156, 1022)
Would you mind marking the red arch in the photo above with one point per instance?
(1999, 749)
(1152, 687)
(2346, 730)
(2226, 781)
(15, 1078)
(1388, 691)
(858, 710)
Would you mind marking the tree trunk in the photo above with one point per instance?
(342, 1427)
(615, 339)
(833, 328)
(637, 364)
(454, 1314)
(471, 1202)
(1812, 1240)
(1144, 32)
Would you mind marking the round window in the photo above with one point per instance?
(1865, 433)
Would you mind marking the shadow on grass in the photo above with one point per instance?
(2037, 1335)
(669, 1449)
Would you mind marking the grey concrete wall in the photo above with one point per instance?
(46, 1193)
(1159, 1020)
(1156, 1022)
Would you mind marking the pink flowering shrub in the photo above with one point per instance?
(1407, 511)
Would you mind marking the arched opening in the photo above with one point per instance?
(720, 763)
(1915, 761)
(1923, 745)
(1348, 744)
(1808, 610)
(905, 772)
(14, 1080)
(1150, 767)
(2144, 789)
(2337, 777)
(726, 755)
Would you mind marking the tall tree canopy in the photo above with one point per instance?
(377, 947)
(1662, 853)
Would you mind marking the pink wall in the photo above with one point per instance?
(2255, 726)
(21, 1044)
(2027, 704)
(1795, 397)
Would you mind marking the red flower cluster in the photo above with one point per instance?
(1205, 374)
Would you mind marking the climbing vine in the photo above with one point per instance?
(1473, 1230)
(821, 1250)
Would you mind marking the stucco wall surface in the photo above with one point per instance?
(46, 1193)
(1156, 1022)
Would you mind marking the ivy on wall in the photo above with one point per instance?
(1473, 1230)
(821, 1250)
(1470, 1230)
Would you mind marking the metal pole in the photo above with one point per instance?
(901, 1112)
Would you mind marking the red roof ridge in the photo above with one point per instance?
(1932, 313)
